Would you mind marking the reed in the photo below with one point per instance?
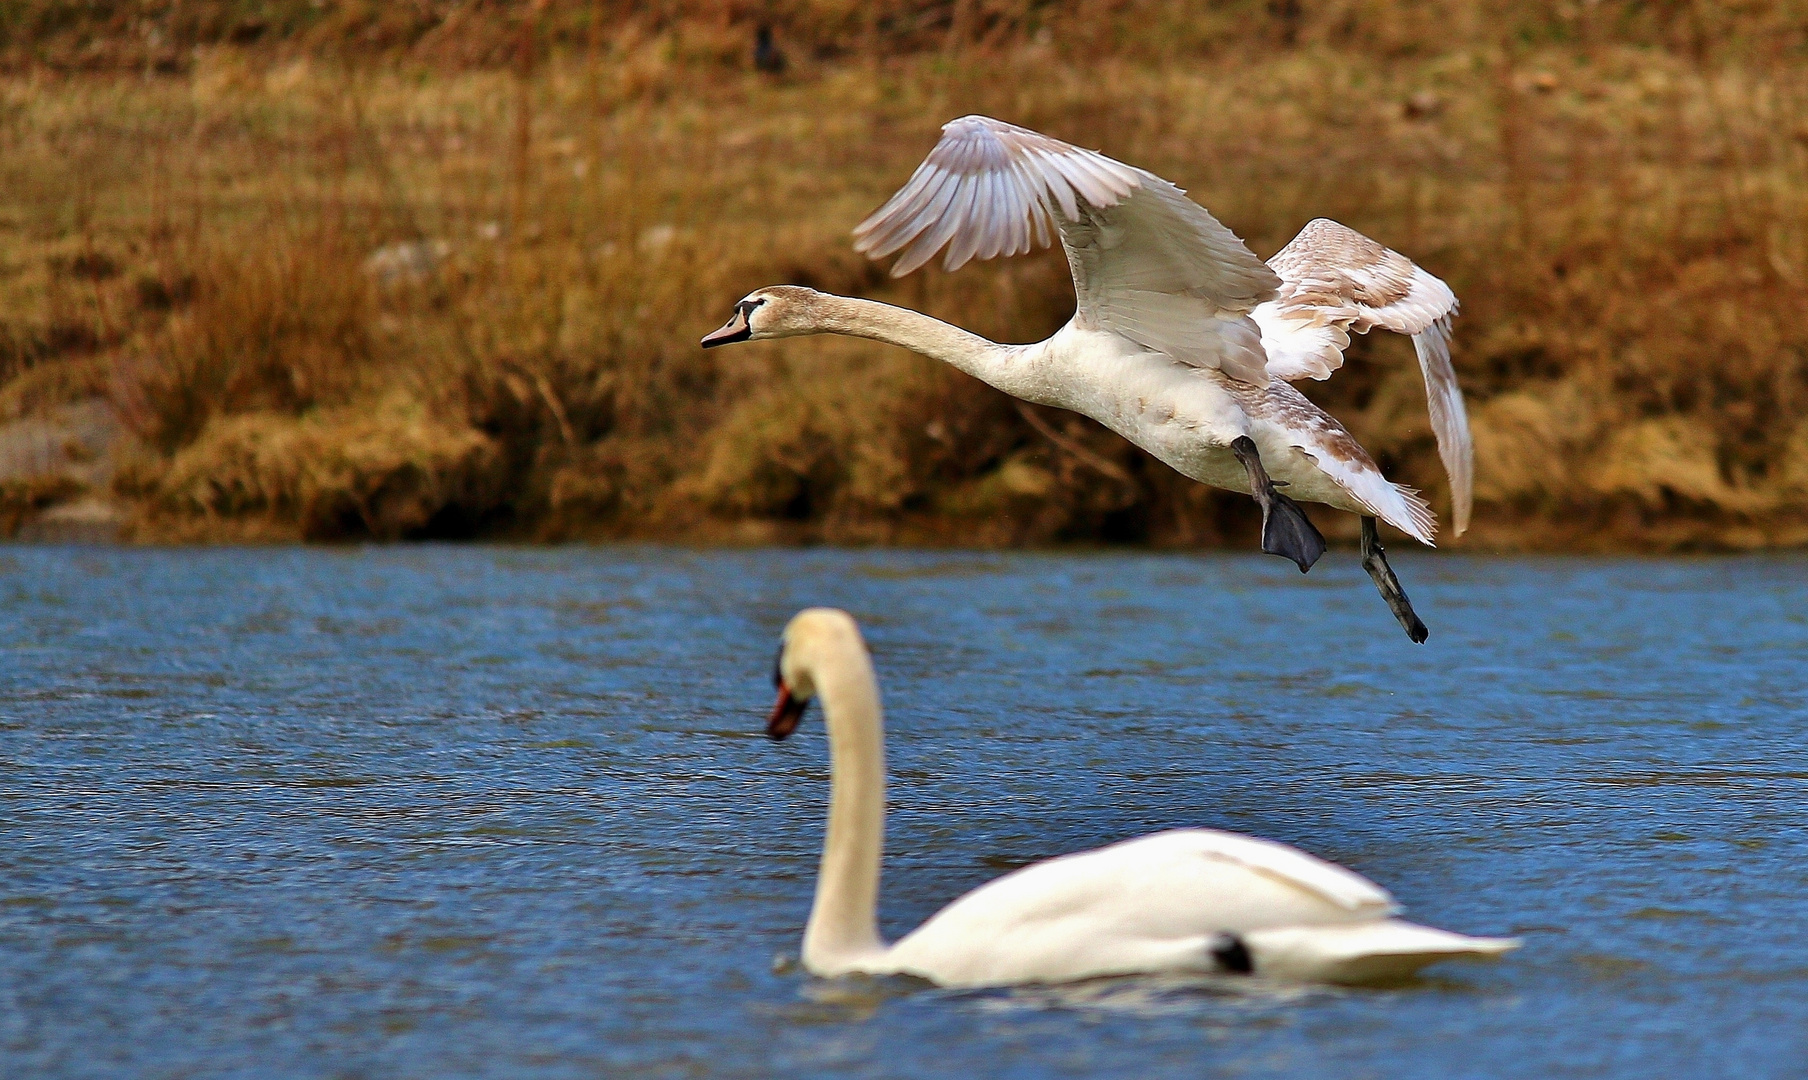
(359, 270)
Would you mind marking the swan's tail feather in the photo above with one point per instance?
(1419, 513)
(1361, 952)
(1338, 455)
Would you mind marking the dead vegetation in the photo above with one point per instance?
(439, 269)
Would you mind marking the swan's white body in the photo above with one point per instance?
(1187, 418)
(1170, 902)
(1181, 340)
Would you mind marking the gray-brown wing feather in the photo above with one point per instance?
(1148, 262)
(987, 189)
(1335, 280)
(1449, 417)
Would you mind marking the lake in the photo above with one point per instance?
(492, 811)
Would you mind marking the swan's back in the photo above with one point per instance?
(1142, 905)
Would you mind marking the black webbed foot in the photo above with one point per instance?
(1374, 560)
(1286, 531)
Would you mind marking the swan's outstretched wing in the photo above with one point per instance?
(1334, 280)
(1148, 262)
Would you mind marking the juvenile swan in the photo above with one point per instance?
(1181, 340)
(1190, 900)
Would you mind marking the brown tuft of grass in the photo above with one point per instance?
(390, 473)
(439, 269)
(283, 327)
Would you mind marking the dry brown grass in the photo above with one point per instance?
(380, 270)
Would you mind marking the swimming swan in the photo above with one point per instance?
(1182, 341)
(1190, 900)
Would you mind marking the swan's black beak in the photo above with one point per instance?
(785, 714)
(736, 329)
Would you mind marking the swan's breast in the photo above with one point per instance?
(1180, 414)
(1129, 388)
(1185, 416)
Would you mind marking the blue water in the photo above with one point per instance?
(441, 812)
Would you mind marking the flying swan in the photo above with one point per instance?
(1186, 901)
(1182, 341)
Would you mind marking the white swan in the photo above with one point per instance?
(1181, 341)
(1190, 900)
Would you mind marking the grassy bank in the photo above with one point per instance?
(343, 272)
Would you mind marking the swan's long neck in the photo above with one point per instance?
(999, 365)
(844, 922)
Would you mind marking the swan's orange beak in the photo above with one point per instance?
(736, 329)
(785, 714)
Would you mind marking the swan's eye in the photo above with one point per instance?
(748, 307)
(778, 673)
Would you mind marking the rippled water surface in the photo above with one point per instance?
(430, 812)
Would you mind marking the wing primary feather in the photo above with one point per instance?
(1056, 183)
(908, 222)
(1075, 180)
(1114, 180)
(956, 218)
(970, 239)
(1040, 224)
(899, 220)
(1007, 213)
(937, 206)
(896, 211)
(1122, 179)
(1023, 199)
(969, 233)
(997, 232)
(1043, 199)
(939, 229)
(1449, 418)
(1034, 188)
(932, 236)
(1091, 183)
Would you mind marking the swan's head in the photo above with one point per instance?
(814, 636)
(773, 312)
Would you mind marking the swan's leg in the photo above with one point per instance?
(1374, 560)
(1286, 531)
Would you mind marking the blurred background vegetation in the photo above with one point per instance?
(335, 269)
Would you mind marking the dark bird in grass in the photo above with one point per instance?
(767, 56)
